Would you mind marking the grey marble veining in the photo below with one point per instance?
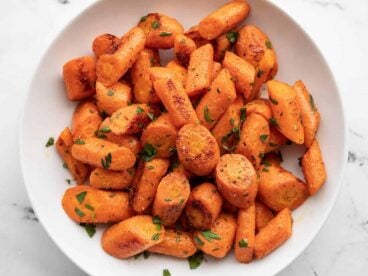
(339, 28)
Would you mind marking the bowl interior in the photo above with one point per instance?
(47, 112)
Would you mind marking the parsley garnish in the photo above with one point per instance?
(148, 152)
(209, 236)
(266, 163)
(165, 34)
(65, 165)
(79, 212)
(105, 129)
(146, 255)
(156, 237)
(195, 260)
(106, 162)
(265, 170)
(243, 114)
(110, 93)
(232, 36)
(90, 228)
(263, 137)
(155, 25)
(198, 241)
(143, 18)
(80, 197)
(156, 221)
(268, 44)
(140, 110)
(166, 272)
(274, 122)
(260, 72)
(80, 142)
(69, 181)
(243, 243)
(89, 207)
(50, 142)
(207, 115)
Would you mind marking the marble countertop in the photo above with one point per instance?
(340, 29)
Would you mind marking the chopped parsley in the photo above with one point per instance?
(268, 44)
(260, 72)
(266, 163)
(50, 142)
(143, 18)
(166, 272)
(110, 93)
(156, 237)
(263, 137)
(80, 197)
(232, 37)
(105, 129)
(69, 181)
(243, 243)
(265, 170)
(79, 212)
(65, 165)
(243, 114)
(209, 236)
(195, 260)
(198, 241)
(146, 255)
(140, 110)
(90, 228)
(79, 142)
(148, 152)
(155, 25)
(156, 221)
(207, 115)
(106, 162)
(165, 34)
(89, 207)
(273, 122)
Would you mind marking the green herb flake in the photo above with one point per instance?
(209, 236)
(243, 114)
(155, 25)
(65, 165)
(50, 142)
(106, 162)
(261, 155)
(150, 167)
(273, 101)
(266, 163)
(140, 110)
(79, 212)
(143, 18)
(263, 137)
(165, 34)
(232, 37)
(243, 243)
(89, 207)
(156, 221)
(151, 116)
(156, 237)
(168, 199)
(105, 129)
(148, 152)
(274, 122)
(79, 142)
(268, 44)
(80, 197)
(265, 170)
(232, 122)
(90, 228)
(311, 101)
(110, 93)
(198, 241)
(69, 181)
(195, 260)
(207, 115)
(166, 272)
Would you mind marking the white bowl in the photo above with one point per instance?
(47, 111)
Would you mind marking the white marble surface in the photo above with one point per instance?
(340, 28)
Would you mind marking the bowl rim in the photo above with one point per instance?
(274, 5)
